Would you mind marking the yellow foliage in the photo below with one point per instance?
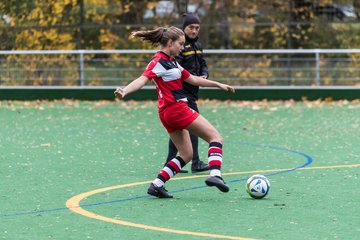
(263, 64)
(35, 14)
(65, 38)
(97, 3)
(273, 29)
(107, 39)
(71, 2)
(151, 5)
(50, 34)
(57, 8)
(299, 74)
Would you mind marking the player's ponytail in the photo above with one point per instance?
(159, 35)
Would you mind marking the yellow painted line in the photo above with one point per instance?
(331, 167)
(74, 203)
(131, 224)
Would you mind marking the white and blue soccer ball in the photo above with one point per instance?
(257, 186)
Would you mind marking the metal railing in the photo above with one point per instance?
(270, 67)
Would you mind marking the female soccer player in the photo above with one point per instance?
(192, 59)
(175, 115)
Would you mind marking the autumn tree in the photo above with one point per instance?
(107, 24)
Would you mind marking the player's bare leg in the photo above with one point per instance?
(182, 142)
(203, 128)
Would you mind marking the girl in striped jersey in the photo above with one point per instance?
(175, 115)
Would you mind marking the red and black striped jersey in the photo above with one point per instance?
(167, 75)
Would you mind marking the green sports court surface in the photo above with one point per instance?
(80, 170)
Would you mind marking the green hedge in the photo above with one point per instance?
(251, 93)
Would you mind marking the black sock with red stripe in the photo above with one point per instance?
(215, 158)
(171, 169)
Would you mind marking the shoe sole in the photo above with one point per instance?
(222, 187)
(196, 171)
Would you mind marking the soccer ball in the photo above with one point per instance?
(257, 186)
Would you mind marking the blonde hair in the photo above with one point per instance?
(159, 36)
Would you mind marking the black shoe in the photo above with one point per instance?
(199, 166)
(218, 182)
(159, 192)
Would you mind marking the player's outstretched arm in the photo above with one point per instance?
(203, 82)
(132, 87)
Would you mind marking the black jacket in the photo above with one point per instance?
(192, 59)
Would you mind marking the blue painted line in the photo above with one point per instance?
(114, 201)
(308, 158)
(33, 212)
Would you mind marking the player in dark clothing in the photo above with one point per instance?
(192, 59)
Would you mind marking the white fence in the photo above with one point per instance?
(271, 67)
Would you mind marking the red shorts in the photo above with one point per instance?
(177, 116)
